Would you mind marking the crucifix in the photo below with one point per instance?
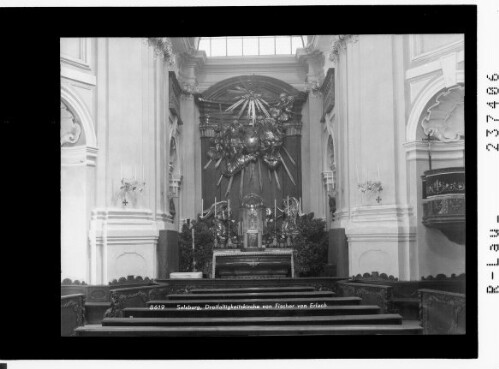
(378, 199)
(428, 139)
(124, 202)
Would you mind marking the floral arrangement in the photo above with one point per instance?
(130, 187)
(370, 187)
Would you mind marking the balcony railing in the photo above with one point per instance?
(444, 202)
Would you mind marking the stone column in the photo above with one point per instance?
(191, 138)
(312, 153)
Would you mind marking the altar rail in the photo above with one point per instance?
(72, 313)
(442, 312)
(134, 297)
(99, 293)
(403, 297)
(185, 285)
(371, 294)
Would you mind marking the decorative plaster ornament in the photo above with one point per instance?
(258, 137)
(70, 127)
(251, 141)
(445, 118)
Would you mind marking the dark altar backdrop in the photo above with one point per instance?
(270, 191)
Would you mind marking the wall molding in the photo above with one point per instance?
(381, 213)
(440, 151)
(78, 76)
(79, 155)
(82, 61)
(396, 236)
(431, 67)
(417, 55)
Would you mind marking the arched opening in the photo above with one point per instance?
(78, 155)
(435, 162)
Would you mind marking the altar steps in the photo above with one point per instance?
(277, 302)
(250, 330)
(272, 312)
(251, 295)
(251, 290)
(252, 311)
(232, 321)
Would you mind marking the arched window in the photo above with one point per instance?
(250, 45)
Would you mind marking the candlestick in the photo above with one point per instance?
(143, 176)
(202, 206)
(121, 170)
(378, 172)
(357, 172)
(228, 205)
(193, 252)
(275, 218)
(134, 172)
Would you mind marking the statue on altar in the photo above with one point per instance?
(252, 216)
(222, 224)
(290, 211)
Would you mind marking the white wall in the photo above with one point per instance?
(378, 81)
(119, 90)
(123, 88)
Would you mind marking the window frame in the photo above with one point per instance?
(242, 38)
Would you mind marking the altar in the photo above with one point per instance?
(267, 263)
(255, 248)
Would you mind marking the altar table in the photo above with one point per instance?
(253, 264)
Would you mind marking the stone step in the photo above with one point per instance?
(252, 290)
(249, 295)
(258, 312)
(229, 321)
(407, 307)
(94, 311)
(265, 303)
(271, 330)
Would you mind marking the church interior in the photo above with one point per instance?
(263, 185)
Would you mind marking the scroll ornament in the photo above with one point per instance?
(70, 127)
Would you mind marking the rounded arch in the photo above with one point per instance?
(273, 85)
(73, 102)
(418, 108)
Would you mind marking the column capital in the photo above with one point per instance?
(340, 44)
(313, 58)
